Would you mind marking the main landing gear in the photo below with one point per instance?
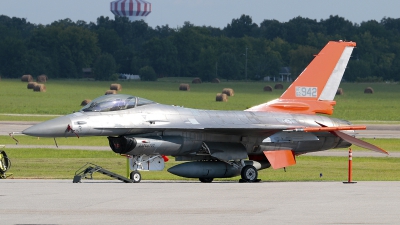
(206, 180)
(249, 174)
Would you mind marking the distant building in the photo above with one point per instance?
(124, 76)
(284, 75)
(87, 73)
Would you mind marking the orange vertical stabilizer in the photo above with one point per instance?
(315, 88)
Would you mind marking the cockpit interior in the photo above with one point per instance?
(116, 102)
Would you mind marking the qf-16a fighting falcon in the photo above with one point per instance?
(221, 144)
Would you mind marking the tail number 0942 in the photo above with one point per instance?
(308, 92)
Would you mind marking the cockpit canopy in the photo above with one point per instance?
(117, 102)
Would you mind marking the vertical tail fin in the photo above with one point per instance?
(315, 88)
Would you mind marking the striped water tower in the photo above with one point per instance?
(133, 9)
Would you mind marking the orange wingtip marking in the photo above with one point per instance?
(316, 129)
(281, 158)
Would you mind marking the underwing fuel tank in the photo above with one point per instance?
(145, 145)
(212, 169)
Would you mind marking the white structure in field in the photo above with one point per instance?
(125, 76)
(133, 9)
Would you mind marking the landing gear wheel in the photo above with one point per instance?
(206, 180)
(5, 164)
(249, 173)
(135, 176)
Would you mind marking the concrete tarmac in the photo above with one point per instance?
(168, 202)
(7, 127)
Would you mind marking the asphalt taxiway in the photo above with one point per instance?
(167, 202)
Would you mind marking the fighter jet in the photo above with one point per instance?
(221, 144)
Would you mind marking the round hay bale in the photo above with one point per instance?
(267, 88)
(116, 87)
(184, 87)
(216, 81)
(368, 90)
(41, 79)
(27, 78)
(228, 91)
(85, 102)
(278, 86)
(31, 85)
(39, 88)
(221, 97)
(110, 92)
(339, 91)
(196, 81)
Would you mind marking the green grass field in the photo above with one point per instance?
(64, 96)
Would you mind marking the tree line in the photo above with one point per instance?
(241, 50)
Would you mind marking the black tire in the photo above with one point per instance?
(206, 180)
(249, 173)
(135, 176)
(5, 163)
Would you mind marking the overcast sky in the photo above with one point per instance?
(215, 13)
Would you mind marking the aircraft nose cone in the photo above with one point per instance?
(53, 128)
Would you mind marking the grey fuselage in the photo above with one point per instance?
(180, 131)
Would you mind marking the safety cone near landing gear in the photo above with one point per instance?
(350, 176)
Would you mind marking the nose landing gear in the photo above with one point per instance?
(135, 176)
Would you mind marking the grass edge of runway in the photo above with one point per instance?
(56, 164)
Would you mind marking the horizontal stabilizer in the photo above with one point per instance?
(359, 142)
(280, 159)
